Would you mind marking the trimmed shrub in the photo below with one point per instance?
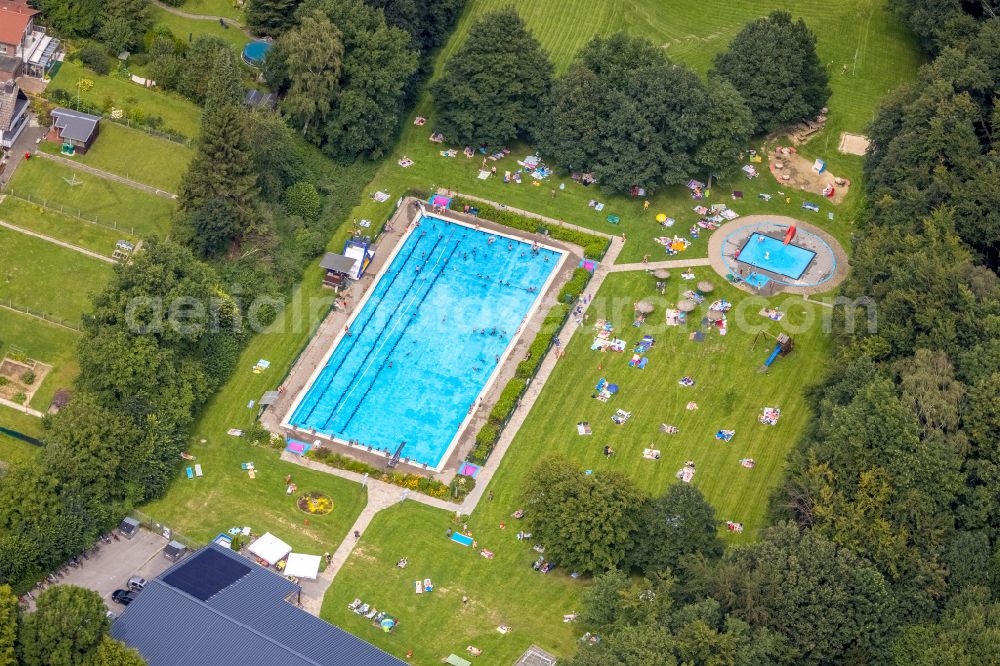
(95, 59)
(28, 377)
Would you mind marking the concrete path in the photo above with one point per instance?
(667, 263)
(204, 17)
(21, 408)
(149, 189)
(535, 388)
(56, 241)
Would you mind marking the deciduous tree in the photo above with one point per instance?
(773, 64)
(493, 86)
(65, 629)
(677, 523)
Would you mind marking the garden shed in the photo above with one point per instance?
(128, 528)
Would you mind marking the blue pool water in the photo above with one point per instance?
(423, 346)
(255, 51)
(771, 254)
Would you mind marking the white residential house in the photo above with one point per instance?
(13, 113)
(25, 49)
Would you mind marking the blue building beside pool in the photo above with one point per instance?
(216, 607)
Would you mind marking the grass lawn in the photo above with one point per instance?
(41, 341)
(504, 590)
(12, 449)
(93, 237)
(184, 27)
(226, 496)
(48, 278)
(729, 392)
(212, 8)
(179, 114)
(136, 155)
(112, 203)
(878, 51)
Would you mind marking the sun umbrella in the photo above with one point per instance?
(661, 217)
(644, 307)
(661, 274)
(705, 287)
(686, 305)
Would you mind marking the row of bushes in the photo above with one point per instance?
(459, 488)
(594, 246)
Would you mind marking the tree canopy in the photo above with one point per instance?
(587, 522)
(678, 523)
(492, 88)
(630, 116)
(65, 629)
(772, 62)
(270, 18)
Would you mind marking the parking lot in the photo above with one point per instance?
(114, 563)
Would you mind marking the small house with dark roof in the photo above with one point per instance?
(76, 130)
(255, 99)
(13, 113)
(217, 607)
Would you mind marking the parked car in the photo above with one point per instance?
(136, 583)
(124, 597)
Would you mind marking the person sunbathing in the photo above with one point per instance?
(669, 429)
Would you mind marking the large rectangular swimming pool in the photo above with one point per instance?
(771, 254)
(427, 341)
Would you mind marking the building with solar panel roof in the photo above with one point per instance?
(216, 607)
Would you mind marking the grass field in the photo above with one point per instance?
(213, 8)
(112, 203)
(860, 33)
(729, 392)
(48, 278)
(178, 114)
(183, 27)
(134, 154)
(90, 236)
(12, 449)
(45, 342)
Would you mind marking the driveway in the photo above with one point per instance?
(116, 562)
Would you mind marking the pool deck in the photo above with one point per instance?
(719, 236)
(329, 331)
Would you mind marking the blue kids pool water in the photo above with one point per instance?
(771, 254)
(423, 346)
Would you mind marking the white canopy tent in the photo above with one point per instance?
(270, 548)
(302, 566)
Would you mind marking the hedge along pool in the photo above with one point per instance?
(427, 341)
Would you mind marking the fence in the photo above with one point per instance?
(59, 208)
(44, 316)
(168, 135)
(159, 527)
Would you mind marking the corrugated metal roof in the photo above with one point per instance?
(337, 262)
(249, 622)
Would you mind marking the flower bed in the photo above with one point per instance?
(315, 504)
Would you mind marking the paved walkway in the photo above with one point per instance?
(56, 241)
(204, 17)
(21, 408)
(535, 388)
(106, 175)
(667, 263)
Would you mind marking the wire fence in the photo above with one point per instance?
(153, 524)
(75, 213)
(38, 314)
(85, 107)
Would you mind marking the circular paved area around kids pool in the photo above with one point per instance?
(824, 272)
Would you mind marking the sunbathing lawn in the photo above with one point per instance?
(48, 278)
(45, 342)
(178, 113)
(880, 53)
(90, 236)
(729, 392)
(134, 154)
(114, 204)
(184, 27)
